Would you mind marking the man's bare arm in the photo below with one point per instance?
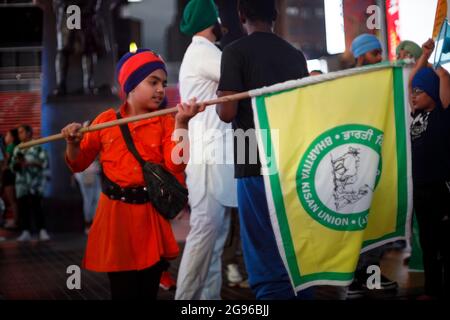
(227, 111)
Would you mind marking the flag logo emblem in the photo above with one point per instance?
(335, 179)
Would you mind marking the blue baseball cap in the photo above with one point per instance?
(365, 43)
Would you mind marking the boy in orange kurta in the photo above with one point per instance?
(128, 238)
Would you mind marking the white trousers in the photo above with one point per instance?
(200, 272)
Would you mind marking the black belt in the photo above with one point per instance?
(133, 195)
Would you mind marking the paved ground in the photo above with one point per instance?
(35, 271)
(38, 270)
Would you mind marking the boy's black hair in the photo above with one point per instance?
(258, 10)
(15, 134)
(27, 128)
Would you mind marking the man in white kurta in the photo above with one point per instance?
(209, 173)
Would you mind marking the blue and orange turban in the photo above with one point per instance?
(134, 67)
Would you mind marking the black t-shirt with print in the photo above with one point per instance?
(430, 143)
(258, 60)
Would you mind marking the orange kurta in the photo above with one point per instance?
(126, 236)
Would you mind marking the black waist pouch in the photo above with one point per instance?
(165, 192)
(167, 195)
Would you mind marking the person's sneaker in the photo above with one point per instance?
(25, 236)
(387, 284)
(167, 282)
(234, 277)
(43, 235)
(356, 289)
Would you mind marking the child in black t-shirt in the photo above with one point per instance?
(430, 144)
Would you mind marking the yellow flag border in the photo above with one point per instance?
(276, 202)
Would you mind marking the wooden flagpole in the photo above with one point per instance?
(100, 126)
(291, 84)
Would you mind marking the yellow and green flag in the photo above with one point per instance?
(337, 170)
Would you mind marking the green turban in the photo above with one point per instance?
(411, 47)
(198, 15)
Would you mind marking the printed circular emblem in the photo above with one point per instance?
(336, 176)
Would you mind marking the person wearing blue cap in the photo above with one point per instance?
(430, 147)
(367, 50)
